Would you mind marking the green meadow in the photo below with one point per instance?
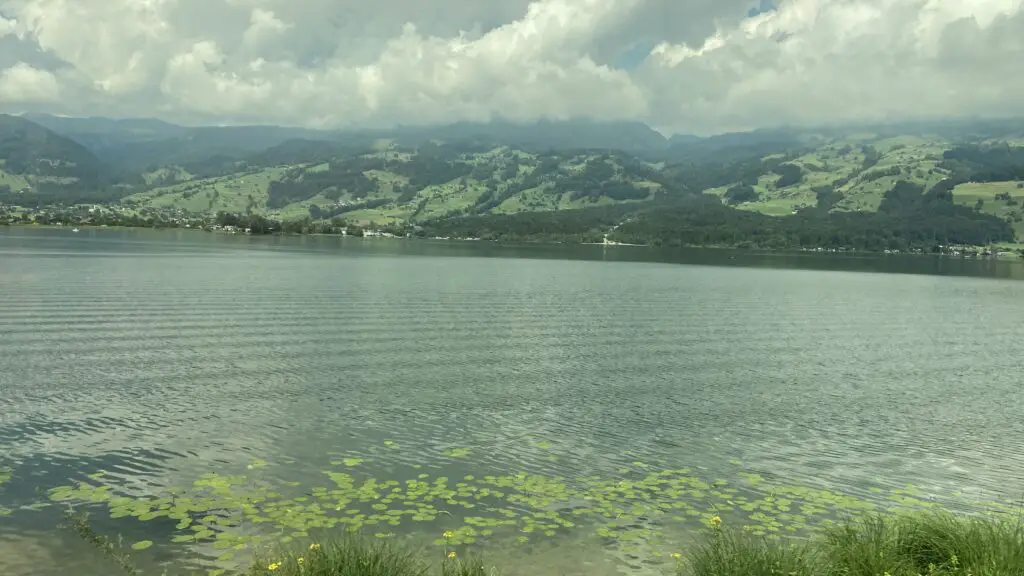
(1002, 199)
(840, 164)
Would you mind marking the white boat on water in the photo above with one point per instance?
(75, 230)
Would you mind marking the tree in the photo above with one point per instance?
(741, 193)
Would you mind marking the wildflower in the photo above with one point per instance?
(448, 535)
(273, 566)
(300, 560)
(716, 522)
(676, 555)
(452, 554)
(314, 546)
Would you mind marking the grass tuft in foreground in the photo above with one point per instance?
(934, 544)
(736, 553)
(356, 557)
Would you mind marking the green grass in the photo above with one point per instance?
(841, 162)
(378, 216)
(354, 556)
(836, 163)
(934, 544)
(15, 181)
(735, 553)
(228, 193)
(921, 544)
(444, 198)
(969, 195)
(172, 173)
(777, 206)
(298, 210)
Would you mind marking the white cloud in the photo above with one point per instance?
(344, 63)
(7, 26)
(22, 84)
(264, 27)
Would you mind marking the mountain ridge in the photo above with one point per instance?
(487, 173)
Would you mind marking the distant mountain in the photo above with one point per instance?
(145, 143)
(420, 174)
(683, 139)
(543, 135)
(198, 145)
(735, 145)
(94, 125)
(29, 148)
(38, 164)
(103, 134)
(140, 143)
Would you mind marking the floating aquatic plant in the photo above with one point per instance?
(643, 505)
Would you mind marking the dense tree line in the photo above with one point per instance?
(302, 184)
(741, 193)
(789, 175)
(871, 157)
(546, 169)
(255, 223)
(598, 178)
(880, 173)
(999, 163)
(620, 191)
(697, 177)
(584, 225)
(908, 218)
(433, 165)
(827, 197)
(704, 222)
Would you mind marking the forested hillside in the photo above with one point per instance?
(896, 187)
(38, 166)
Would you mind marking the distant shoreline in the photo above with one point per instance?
(1004, 253)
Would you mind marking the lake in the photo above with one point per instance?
(566, 410)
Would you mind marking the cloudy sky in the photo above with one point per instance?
(681, 65)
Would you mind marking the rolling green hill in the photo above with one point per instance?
(499, 175)
(39, 166)
(394, 184)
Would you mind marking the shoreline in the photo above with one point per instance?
(969, 252)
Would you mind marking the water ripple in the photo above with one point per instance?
(157, 370)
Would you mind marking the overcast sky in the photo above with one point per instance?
(696, 66)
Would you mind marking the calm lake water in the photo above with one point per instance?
(158, 357)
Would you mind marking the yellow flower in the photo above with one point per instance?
(314, 546)
(273, 566)
(676, 555)
(300, 559)
(452, 554)
(716, 522)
